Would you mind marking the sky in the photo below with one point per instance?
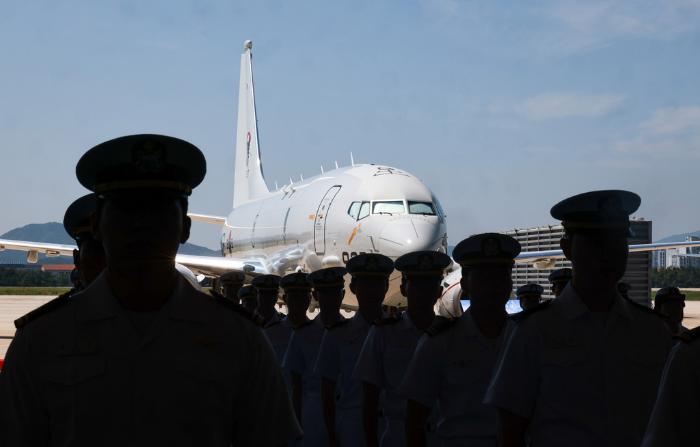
(501, 108)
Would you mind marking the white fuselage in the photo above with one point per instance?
(326, 220)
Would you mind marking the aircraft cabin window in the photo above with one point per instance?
(364, 211)
(424, 208)
(388, 207)
(354, 210)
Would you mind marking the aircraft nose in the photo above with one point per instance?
(406, 235)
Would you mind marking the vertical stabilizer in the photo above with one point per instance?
(248, 181)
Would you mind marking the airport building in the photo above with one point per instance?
(687, 257)
(638, 273)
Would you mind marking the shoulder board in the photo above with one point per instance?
(338, 324)
(387, 321)
(52, 305)
(439, 325)
(520, 316)
(242, 311)
(691, 335)
(644, 308)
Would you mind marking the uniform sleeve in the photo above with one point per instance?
(328, 360)
(370, 367)
(515, 383)
(423, 378)
(23, 419)
(676, 413)
(294, 359)
(264, 400)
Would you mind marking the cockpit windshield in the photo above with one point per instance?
(424, 208)
(388, 207)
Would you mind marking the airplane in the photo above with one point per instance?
(322, 221)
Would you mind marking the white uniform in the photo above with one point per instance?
(453, 369)
(301, 358)
(278, 330)
(385, 355)
(337, 356)
(200, 374)
(581, 377)
(677, 411)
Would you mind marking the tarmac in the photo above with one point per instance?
(14, 306)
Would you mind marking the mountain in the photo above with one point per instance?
(679, 237)
(54, 232)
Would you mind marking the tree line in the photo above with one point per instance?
(676, 277)
(33, 278)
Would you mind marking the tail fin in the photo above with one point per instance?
(248, 180)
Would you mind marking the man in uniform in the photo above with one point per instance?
(300, 358)
(276, 327)
(140, 357)
(231, 283)
(453, 362)
(559, 278)
(674, 421)
(670, 302)
(390, 343)
(583, 369)
(529, 295)
(248, 297)
(340, 346)
(89, 257)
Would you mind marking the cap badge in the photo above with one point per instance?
(491, 247)
(149, 157)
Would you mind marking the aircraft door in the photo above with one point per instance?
(320, 219)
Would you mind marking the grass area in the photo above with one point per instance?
(691, 295)
(19, 290)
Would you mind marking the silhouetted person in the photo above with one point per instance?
(529, 295)
(559, 279)
(336, 357)
(453, 362)
(583, 369)
(140, 357)
(89, 257)
(249, 298)
(274, 324)
(674, 421)
(624, 289)
(231, 283)
(390, 344)
(300, 358)
(670, 302)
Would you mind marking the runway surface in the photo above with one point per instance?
(14, 306)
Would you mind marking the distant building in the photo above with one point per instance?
(678, 257)
(638, 273)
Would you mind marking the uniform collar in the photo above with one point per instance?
(407, 323)
(573, 307)
(274, 319)
(97, 302)
(469, 325)
(359, 321)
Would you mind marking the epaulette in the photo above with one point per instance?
(440, 324)
(52, 305)
(520, 316)
(387, 321)
(691, 335)
(644, 308)
(337, 324)
(227, 303)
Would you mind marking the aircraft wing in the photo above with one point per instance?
(34, 248)
(204, 265)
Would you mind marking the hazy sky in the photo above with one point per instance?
(502, 108)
